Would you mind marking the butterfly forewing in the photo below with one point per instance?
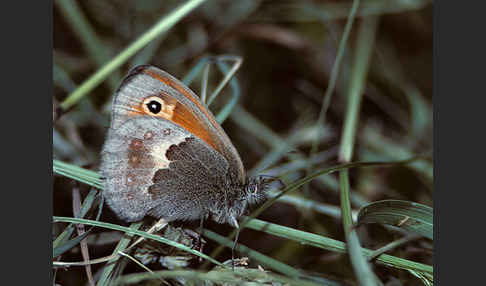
(180, 106)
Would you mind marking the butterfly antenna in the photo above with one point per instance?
(277, 179)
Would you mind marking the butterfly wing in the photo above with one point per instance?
(181, 107)
(153, 166)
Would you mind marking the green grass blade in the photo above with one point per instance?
(77, 173)
(392, 245)
(364, 45)
(137, 232)
(107, 274)
(225, 112)
(256, 128)
(394, 151)
(219, 276)
(94, 179)
(266, 260)
(67, 245)
(261, 258)
(427, 279)
(80, 174)
(229, 76)
(334, 74)
(362, 268)
(330, 244)
(91, 42)
(160, 27)
(64, 236)
(411, 216)
(295, 186)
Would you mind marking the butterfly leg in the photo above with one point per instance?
(201, 230)
(197, 236)
(234, 248)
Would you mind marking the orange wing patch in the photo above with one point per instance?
(176, 112)
(185, 118)
(183, 91)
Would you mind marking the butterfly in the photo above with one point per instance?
(166, 156)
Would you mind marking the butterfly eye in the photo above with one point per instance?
(153, 104)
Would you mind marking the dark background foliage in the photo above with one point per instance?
(288, 50)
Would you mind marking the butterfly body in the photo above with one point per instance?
(166, 156)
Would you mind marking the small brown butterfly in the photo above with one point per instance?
(166, 156)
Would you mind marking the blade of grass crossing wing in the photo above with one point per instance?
(77, 173)
(203, 65)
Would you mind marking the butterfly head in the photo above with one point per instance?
(256, 189)
(253, 192)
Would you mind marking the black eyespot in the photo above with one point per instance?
(154, 106)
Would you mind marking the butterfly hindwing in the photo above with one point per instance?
(152, 166)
